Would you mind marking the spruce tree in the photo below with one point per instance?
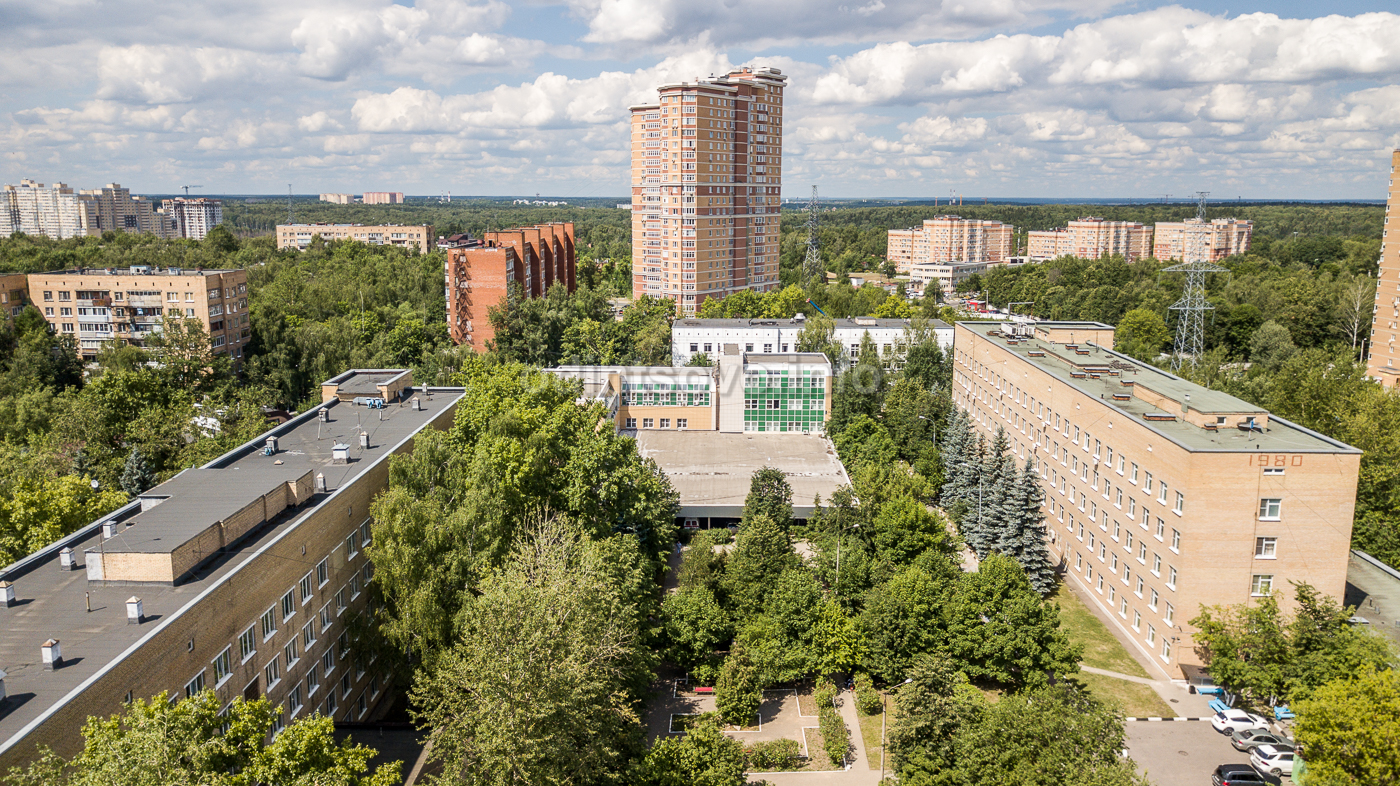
(1023, 539)
(136, 475)
(986, 509)
(955, 441)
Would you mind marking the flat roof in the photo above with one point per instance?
(844, 322)
(712, 469)
(51, 602)
(1279, 436)
(1372, 587)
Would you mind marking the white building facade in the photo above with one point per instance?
(193, 218)
(690, 337)
(35, 209)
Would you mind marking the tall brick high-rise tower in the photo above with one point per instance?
(1381, 360)
(706, 184)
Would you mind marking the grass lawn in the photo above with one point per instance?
(1101, 649)
(817, 754)
(1136, 700)
(870, 731)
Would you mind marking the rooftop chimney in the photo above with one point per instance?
(325, 415)
(109, 529)
(7, 594)
(417, 405)
(340, 453)
(65, 559)
(53, 655)
(364, 440)
(2, 686)
(133, 611)
(321, 482)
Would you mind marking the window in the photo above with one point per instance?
(289, 606)
(1151, 634)
(1273, 470)
(340, 601)
(1166, 649)
(1162, 493)
(749, 348)
(1108, 457)
(352, 545)
(194, 686)
(1176, 540)
(345, 685)
(1116, 529)
(648, 423)
(665, 422)
(1180, 503)
(330, 705)
(682, 422)
(1120, 464)
(694, 347)
(1123, 608)
(313, 681)
(1078, 561)
(325, 616)
(48, 295)
(305, 586)
(1113, 562)
(343, 644)
(1270, 509)
(374, 686)
(1132, 477)
(269, 623)
(361, 706)
(1138, 589)
(1142, 553)
(1118, 497)
(1128, 541)
(1132, 508)
(294, 702)
(1261, 584)
(1147, 482)
(707, 347)
(323, 573)
(1137, 619)
(1156, 564)
(278, 724)
(247, 645)
(1266, 548)
(223, 666)
(1081, 531)
(1171, 576)
(273, 673)
(308, 635)
(1152, 600)
(290, 654)
(328, 662)
(355, 586)
(1170, 613)
(630, 423)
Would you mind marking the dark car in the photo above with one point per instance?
(1249, 739)
(1232, 774)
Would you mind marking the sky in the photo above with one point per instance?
(887, 98)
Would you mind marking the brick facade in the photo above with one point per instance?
(534, 258)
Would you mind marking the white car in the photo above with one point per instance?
(1267, 758)
(1231, 721)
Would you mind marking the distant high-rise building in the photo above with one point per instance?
(533, 258)
(339, 199)
(1385, 324)
(1091, 238)
(382, 198)
(706, 185)
(54, 211)
(944, 239)
(113, 208)
(193, 218)
(1211, 240)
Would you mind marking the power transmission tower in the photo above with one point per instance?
(812, 268)
(1192, 307)
(291, 216)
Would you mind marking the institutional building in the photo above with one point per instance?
(1381, 363)
(706, 185)
(945, 275)
(97, 306)
(413, 237)
(243, 576)
(1091, 238)
(382, 198)
(692, 336)
(1161, 496)
(534, 259)
(339, 199)
(950, 239)
(192, 218)
(1204, 240)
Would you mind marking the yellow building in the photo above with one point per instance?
(417, 237)
(1381, 363)
(944, 239)
(1091, 238)
(1203, 240)
(1161, 495)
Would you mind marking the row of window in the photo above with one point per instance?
(65, 296)
(651, 423)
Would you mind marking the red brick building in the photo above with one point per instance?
(534, 258)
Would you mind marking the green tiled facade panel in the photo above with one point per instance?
(777, 402)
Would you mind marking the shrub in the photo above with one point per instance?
(835, 737)
(705, 674)
(868, 700)
(781, 754)
(824, 694)
(738, 693)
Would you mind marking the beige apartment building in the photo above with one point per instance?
(1203, 240)
(1091, 238)
(1161, 496)
(339, 199)
(113, 208)
(243, 576)
(192, 218)
(706, 186)
(97, 306)
(944, 239)
(54, 211)
(1381, 363)
(382, 198)
(416, 236)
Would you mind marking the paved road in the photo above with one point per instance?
(1181, 753)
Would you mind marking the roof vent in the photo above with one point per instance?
(7, 594)
(271, 446)
(52, 654)
(417, 405)
(325, 414)
(2, 686)
(65, 559)
(109, 529)
(364, 440)
(340, 453)
(133, 611)
(321, 482)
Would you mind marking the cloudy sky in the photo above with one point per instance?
(1010, 98)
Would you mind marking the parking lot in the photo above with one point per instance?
(1182, 753)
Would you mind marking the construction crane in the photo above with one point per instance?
(187, 189)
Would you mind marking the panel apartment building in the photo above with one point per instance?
(1385, 326)
(706, 185)
(100, 305)
(58, 212)
(1091, 238)
(192, 218)
(382, 198)
(1161, 495)
(417, 237)
(480, 276)
(1205, 240)
(944, 239)
(692, 336)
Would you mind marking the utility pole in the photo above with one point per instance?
(1192, 307)
(813, 270)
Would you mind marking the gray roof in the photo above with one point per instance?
(366, 383)
(51, 602)
(711, 469)
(1280, 435)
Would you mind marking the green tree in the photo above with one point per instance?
(769, 495)
(837, 643)
(136, 474)
(37, 511)
(761, 553)
(738, 692)
(186, 357)
(704, 756)
(931, 710)
(1271, 345)
(197, 741)
(902, 619)
(1022, 533)
(1349, 727)
(893, 307)
(818, 334)
(1141, 333)
(694, 625)
(999, 629)
(535, 689)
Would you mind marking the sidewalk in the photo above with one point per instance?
(857, 773)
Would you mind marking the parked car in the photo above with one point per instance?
(1235, 775)
(1282, 712)
(1231, 721)
(1253, 738)
(1267, 758)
